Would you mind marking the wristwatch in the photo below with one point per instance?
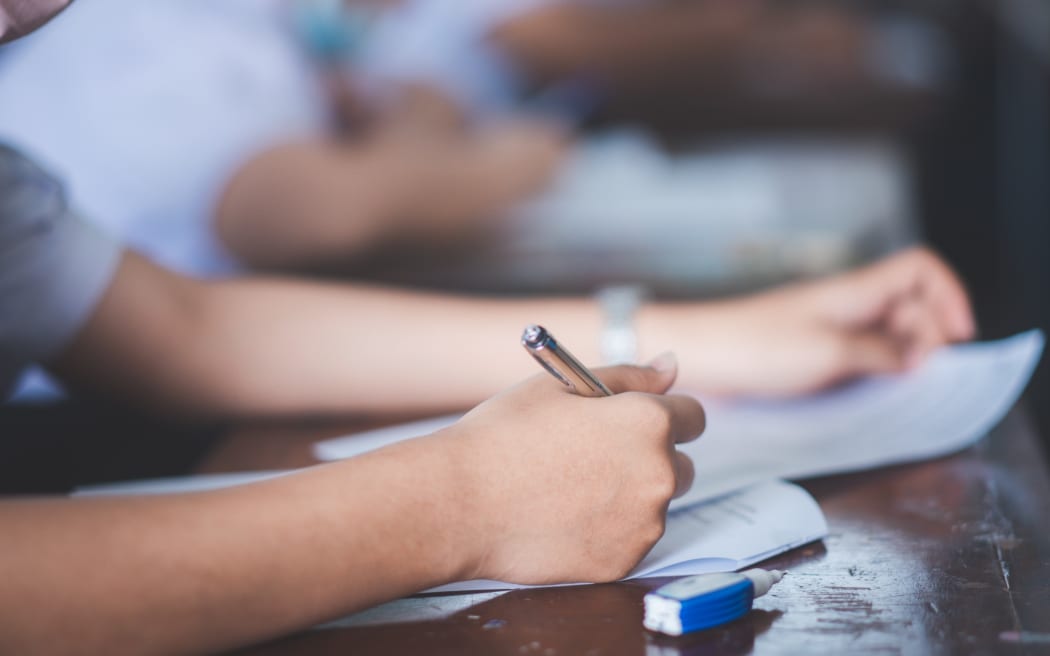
(619, 338)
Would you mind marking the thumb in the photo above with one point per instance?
(654, 378)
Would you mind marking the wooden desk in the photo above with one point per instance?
(937, 557)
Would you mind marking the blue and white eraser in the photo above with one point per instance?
(706, 600)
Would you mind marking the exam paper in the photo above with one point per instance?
(952, 401)
(946, 405)
(720, 535)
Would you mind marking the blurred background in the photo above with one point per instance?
(696, 147)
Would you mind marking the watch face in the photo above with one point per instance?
(619, 343)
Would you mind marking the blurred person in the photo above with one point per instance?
(440, 65)
(219, 150)
(832, 343)
(150, 109)
(488, 56)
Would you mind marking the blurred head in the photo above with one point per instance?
(20, 17)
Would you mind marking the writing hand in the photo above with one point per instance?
(565, 488)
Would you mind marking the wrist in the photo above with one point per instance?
(465, 527)
(700, 335)
(618, 343)
(426, 513)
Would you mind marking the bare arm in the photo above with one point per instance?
(679, 46)
(323, 204)
(625, 46)
(257, 346)
(537, 485)
(272, 346)
(213, 570)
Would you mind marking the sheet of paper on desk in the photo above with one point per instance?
(720, 535)
(948, 404)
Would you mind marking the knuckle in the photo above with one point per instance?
(662, 482)
(642, 407)
(654, 531)
(667, 487)
(838, 351)
(656, 415)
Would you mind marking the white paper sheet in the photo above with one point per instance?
(720, 535)
(948, 404)
(957, 396)
(363, 442)
(176, 484)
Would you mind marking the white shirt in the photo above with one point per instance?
(146, 108)
(445, 43)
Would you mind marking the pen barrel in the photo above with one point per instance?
(561, 364)
(572, 373)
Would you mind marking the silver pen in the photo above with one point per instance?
(561, 364)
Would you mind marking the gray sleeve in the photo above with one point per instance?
(54, 267)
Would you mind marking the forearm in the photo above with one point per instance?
(624, 46)
(208, 571)
(271, 346)
(351, 348)
(348, 348)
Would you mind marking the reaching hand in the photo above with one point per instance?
(564, 488)
(454, 184)
(883, 318)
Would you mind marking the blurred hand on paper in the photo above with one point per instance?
(884, 318)
(563, 488)
(452, 183)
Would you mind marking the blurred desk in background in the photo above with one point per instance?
(947, 556)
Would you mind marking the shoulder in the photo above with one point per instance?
(31, 200)
(54, 266)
